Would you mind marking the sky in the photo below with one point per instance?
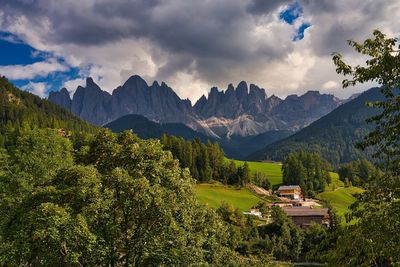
(281, 45)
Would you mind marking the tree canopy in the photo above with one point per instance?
(306, 169)
(375, 238)
(122, 201)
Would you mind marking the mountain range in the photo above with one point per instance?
(242, 111)
(333, 136)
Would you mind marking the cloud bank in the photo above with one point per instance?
(193, 45)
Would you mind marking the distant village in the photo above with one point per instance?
(303, 211)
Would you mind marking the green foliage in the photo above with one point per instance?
(314, 235)
(271, 170)
(124, 201)
(374, 239)
(206, 162)
(308, 170)
(260, 179)
(334, 136)
(21, 110)
(281, 238)
(286, 237)
(358, 173)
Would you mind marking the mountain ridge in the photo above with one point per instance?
(333, 135)
(241, 111)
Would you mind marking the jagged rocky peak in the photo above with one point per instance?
(213, 92)
(136, 81)
(61, 98)
(155, 84)
(64, 91)
(90, 82)
(242, 90)
(254, 89)
(241, 110)
(233, 102)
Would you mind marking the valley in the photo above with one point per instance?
(339, 196)
(199, 133)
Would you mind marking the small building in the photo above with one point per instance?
(62, 132)
(303, 216)
(253, 212)
(290, 191)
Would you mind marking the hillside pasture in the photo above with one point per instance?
(271, 169)
(214, 194)
(341, 198)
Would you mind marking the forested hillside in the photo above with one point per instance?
(333, 136)
(19, 109)
(237, 147)
(146, 128)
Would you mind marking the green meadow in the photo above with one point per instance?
(341, 198)
(215, 194)
(271, 169)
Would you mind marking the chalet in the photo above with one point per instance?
(303, 216)
(290, 192)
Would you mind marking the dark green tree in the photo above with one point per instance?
(375, 239)
(306, 169)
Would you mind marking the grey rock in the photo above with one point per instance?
(61, 98)
(241, 111)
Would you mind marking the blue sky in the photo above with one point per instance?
(16, 53)
(290, 15)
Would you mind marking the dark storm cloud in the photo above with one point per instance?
(214, 40)
(345, 20)
(217, 30)
(265, 6)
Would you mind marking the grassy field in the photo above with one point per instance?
(272, 170)
(215, 194)
(336, 183)
(341, 198)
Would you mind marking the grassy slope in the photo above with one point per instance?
(336, 183)
(215, 194)
(272, 170)
(341, 198)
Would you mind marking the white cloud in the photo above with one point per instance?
(193, 45)
(31, 71)
(39, 88)
(71, 85)
(329, 85)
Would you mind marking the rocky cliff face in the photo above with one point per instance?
(61, 98)
(241, 111)
(249, 111)
(157, 102)
(233, 102)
